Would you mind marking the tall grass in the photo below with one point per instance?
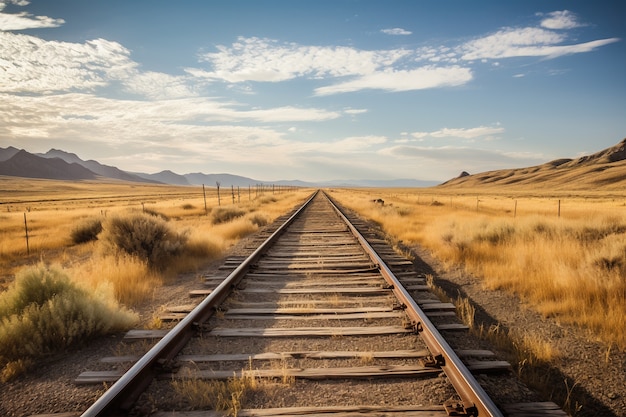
(570, 267)
(44, 312)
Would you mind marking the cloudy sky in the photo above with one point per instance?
(313, 90)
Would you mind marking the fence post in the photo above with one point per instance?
(559, 213)
(204, 193)
(218, 193)
(26, 229)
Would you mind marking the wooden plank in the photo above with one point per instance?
(488, 366)
(328, 411)
(373, 279)
(243, 357)
(330, 316)
(308, 331)
(438, 306)
(386, 371)
(341, 290)
(139, 334)
(304, 311)
(97, 377)
(199, 293)
(369, 300)
(451, 326)
(417, 288)
(329, 258)
(375, 282)
(537, 409)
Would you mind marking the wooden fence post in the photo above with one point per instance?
(217, 183)
(26, 229)
(204, 194)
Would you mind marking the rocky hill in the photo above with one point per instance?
(605, 169)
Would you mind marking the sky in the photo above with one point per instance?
(314, 90)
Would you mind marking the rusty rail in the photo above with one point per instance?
(475, 401)
(119, 398)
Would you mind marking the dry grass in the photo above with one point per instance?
(61, 214)
(45, 311)
(570, 267)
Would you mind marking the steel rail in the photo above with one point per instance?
(118, 399)
(475, 401)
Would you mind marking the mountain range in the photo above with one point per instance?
(62, 165)
(604, 170)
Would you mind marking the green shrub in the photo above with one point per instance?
(226, 214)
(148, 238)
(44, 312)
(86, 231)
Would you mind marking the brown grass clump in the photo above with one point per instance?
(144, 236)
(86, 231)
(226, 214)
(44, 311)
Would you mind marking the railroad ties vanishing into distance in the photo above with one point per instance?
(338, 314)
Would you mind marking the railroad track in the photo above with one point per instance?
(316, 322)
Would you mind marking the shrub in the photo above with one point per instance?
(188, 206)
(258, 220)
(155, 213)
(146, 237)
(44, 312)
(226, 214)
(86, 231)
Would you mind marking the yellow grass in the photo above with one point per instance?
(54, 208)
(571, 267)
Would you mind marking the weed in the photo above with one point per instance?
(146, 237)
(43, 312)
(226, 214)
(86, 231)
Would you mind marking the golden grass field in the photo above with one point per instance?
(563, 254)
(54, 208)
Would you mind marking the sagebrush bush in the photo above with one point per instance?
(259, 219)
(226, 214)
(146, 237)
(86, 231)
(43, 312)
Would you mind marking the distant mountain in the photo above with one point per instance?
(199, 178)
(165, 177)
(7, 153)
(605, 169)
(24, 164)
(94, 166)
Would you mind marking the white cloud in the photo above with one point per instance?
(464, 158)
(560, 20)
(396, 31)
(256, 59)
(525, 42)
(355, 111)
(402, 80)
(157, 85)
(24, 20)
(463, 133)
(34, 65)
(356, 143)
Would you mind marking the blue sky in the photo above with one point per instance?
(324, 90)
